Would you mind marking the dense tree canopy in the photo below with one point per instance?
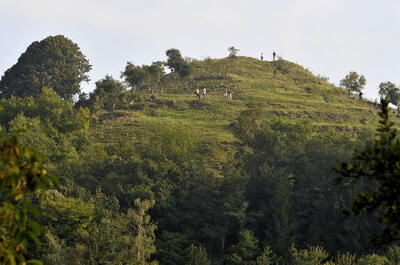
(177, 63)
(353, 82)
(379, 163)
(389, 92)
(134, 76)
(108, 94)
(171, 180)
(54, 62)
(22, 176)
(233, 52)
(175, 60)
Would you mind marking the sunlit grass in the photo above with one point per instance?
(291, 94)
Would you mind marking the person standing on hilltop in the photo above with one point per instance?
(273, 55)
(262, 57)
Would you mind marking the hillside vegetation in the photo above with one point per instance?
(276, 90)
(148, 173)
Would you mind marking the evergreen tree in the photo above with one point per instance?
(196, 255)
(378, 164)
(142, 231)
(245, 251)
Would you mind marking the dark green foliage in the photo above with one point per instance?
(178, 64)
(353, 82)
(245, 251)
(97, 231)
(196, 255)
(267, 257)
(248, 122)
(224, 182)
(233, 52)
(175, 60)
(54, 62)
(290, 192)
(51, 125)
(134, 76)
(309, 256)
(108, 94)
(378, 163)
(49, 107)
(156, 73)
(229, 205)
(22, 177)
(389, 92)
(185, 70)
(144, 77)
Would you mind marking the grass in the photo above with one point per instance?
(285, 90)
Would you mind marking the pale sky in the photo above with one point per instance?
(330, 37)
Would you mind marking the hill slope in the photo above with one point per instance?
(283, 90)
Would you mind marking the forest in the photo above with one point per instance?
(143, 171)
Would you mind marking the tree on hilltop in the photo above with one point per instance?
(54, 62)
(143, 77)
(134, 76)
(175, 60)
(177, 63)
(389, 92)
(233, 52)
(155, 72)
(353, 82)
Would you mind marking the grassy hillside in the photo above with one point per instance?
(282, 89)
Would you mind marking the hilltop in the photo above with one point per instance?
(281, 89)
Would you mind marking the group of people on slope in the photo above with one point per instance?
(197, 92)
(228, 93)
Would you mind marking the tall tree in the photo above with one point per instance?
(142, 230)
(353, 82)
(390, 92)
(135, 76)
(156, 72)
(175, 60)
(196, 255)
(54, 62)
(177, 64)
(233, 52)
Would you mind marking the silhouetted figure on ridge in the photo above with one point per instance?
(273, 55)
